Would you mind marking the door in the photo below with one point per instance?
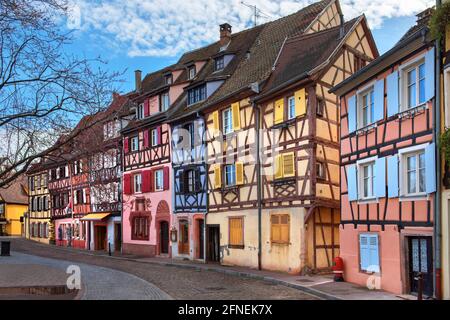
(183, 243)
(213, 253)
(117, 237)
(201, 240)
(164, 236)
(421, 262)
(100, 238)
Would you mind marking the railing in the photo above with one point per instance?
(105, 174)
(106, 207)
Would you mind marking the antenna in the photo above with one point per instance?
(257, 13)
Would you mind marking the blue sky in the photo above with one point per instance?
(149, 35)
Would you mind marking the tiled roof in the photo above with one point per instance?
(304, 53)
(16, 192)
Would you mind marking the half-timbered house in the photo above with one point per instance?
(388, 167)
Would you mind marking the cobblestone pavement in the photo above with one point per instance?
(98, 283)
(179, 283)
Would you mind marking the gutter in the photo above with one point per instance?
(259, 182)
(438, 196)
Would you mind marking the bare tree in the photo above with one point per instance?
(44, 91)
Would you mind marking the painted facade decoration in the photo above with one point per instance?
(388, 168)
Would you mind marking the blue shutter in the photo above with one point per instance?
(380, 178)
(352, 184)
(379, 100)
(374, 258)
(429, 74)
(430, 168)
(393, 176)
(393, 101)
(364, 253)
(352, 114)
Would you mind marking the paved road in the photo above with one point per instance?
(178, 283)
(98, 283)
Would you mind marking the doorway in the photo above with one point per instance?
(421, 263)
(201, 239)
(183, 243)
(100, 237)
(164, 237)
(117, 237)
(213, 250)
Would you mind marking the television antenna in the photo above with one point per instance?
(256, 12)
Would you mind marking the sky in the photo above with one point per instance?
(151, 34)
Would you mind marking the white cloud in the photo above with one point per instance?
(169, 27)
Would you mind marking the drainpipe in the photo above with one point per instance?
(437, 224)
(258, 181)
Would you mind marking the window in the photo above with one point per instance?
(32, 183)
(219, 63)
(414, 85)
(135, 143)
(230, 175)
(415, 173)
(359, 63)
(279, 231)
(367, 109)
(140, 228)
(154, 134)
(291, 108)
(369, 252)
(227, 121)
(159, 182)
(367, 180)
(196, 94)
(192, 72)
(137, 180)
(168, 79)
(53, 174)
(236, 233)
(320, 107)
(165, 101)
(320, 170)
(284, 165)
(77, 167)
(140, 111)
(191, 181)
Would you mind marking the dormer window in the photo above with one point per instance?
(219, 63)
(140, 111)
(165, 102)
(196, 94)
(192, 72)
(168, 79)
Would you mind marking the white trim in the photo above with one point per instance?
(403, 90)
(403, 177)
(413, 148)
(366, 160)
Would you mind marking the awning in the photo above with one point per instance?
(95, 217)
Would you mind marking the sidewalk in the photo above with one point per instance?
(321, 286)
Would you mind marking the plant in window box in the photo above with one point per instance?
(440, 21)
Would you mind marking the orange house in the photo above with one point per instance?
(388, 175)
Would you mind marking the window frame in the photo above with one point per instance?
(290, 100)
(140, 111)
(134, 147)
(140, 228)
(197, 94)
(360, 178)
(163, 98)
(227, 128)
(190, 69)
(137, 182)
(225, 176)
(154, 137)
(219, 63)
(280, 215)
(404, 70)
(360, 251)
(156, 174)
(368, 91)
(403, 155)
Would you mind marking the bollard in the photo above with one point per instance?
(419, 278)
(109, 248)
(5, 248)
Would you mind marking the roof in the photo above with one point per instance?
(302, 54)
(16, 192)
(415, 32)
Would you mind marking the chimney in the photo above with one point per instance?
(424, 16)
(138, 80)
(342, 30)
(225, 34)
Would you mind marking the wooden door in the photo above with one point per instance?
(183, 243)
(201, 239)
(164, 237)
(213, 234)
(421, 262)
(118, 237)
(100, 238)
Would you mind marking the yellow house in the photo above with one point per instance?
(13, 206)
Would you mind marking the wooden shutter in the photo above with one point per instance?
(380, 178)
(378, 93)
(392, 177)
(146, 138)
(126, 147)
(180, 181)
(352, 114)
(236, 231)
(216, 124)
(236, 113)
(279, 111)
(127, 184)
(278, 166)
(300, 102)
(352, 183)
(275, 228)
(280, 228)
(430, 168)
(217, 176)
(239, 173)
(374, 258)
(166, 178)
(146, 181)
(393, 102)
(288, 165)
(159, 135)
(151, 180)
(146, 107)
(284, 228)
(198, 183)
(364, 252)
(430, 59)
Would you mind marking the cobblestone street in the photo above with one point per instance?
(104, 276)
